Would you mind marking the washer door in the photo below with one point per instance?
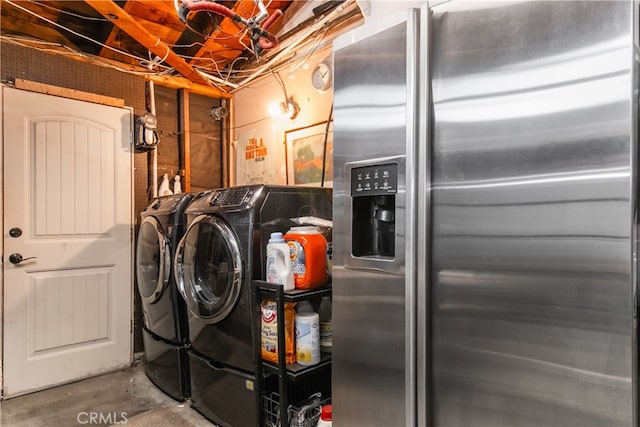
(153, 260)
(208, 268)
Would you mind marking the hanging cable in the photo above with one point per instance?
(21, 41)
(70, 30)
(66, 12)
(324, 145)
(276, 76)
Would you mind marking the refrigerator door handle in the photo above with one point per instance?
(424, 162)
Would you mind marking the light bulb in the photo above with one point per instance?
(274, 109)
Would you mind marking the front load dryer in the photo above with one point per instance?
(165, 331)
(222, 250)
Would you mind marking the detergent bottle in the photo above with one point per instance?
(278, 265)
(308, 252)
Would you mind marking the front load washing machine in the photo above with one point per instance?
(165, 331)
(222, 250)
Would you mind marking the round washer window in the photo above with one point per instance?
(208, 268)
(153, 260)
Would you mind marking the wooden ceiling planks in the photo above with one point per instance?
(132, 27)
(158, 17)
(225, 43)
(18, 22)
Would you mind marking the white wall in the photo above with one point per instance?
(251, 118)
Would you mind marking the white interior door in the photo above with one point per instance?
(67, 198)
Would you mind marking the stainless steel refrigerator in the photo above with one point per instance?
(484, 249)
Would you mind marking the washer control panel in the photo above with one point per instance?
(231, 197)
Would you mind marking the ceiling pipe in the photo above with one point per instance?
(259, 33)
(218, 80)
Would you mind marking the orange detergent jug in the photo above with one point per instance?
(308, 251)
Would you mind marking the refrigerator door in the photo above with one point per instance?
(534, 143)
(374, 208)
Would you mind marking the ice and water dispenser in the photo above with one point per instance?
(373, 193)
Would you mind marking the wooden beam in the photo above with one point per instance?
(158, 17)
(184, 138)
(67, 93)
(182, 83)
(128, 24)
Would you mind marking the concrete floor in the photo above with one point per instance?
(124, 397)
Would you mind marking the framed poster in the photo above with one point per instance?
(260, 156)
(310, 155)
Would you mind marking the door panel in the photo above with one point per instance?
(73, 177)
(73, 305)
(67, 311)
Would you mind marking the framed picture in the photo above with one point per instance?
(310, 155)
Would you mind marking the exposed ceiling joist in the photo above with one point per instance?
(213, 52)
(128, 24)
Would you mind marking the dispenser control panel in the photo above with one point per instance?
(374, 180)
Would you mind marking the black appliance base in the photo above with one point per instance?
(167, 365)
(222, 394)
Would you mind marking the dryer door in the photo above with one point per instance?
(153, 260)
(208, 268)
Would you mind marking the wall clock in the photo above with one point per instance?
(322, 76)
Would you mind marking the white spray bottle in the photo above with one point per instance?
(177, 187)
(164, 186)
